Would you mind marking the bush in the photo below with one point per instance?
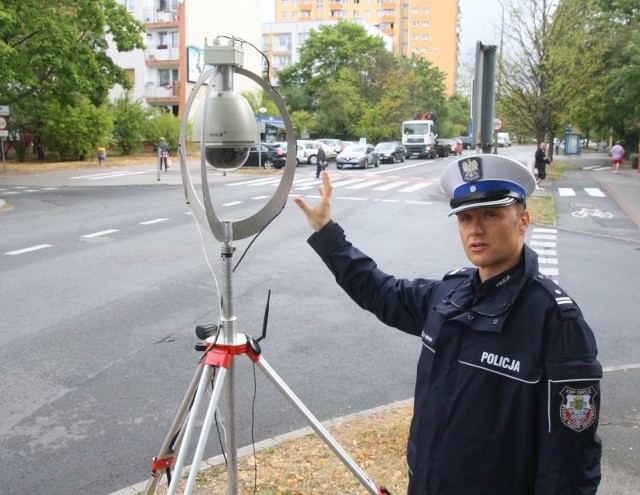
(634, 160)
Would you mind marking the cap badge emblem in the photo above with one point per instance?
(470, 169)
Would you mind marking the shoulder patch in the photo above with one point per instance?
(460, 272)
(567, 306)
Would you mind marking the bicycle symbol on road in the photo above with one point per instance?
(591, 212)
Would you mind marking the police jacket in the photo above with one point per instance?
(507, 392)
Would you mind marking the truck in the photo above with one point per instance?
(418, 138)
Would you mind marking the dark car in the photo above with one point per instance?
(390, 152)
(443, 149)
(357, 155)
(466, 142)
(267, 155)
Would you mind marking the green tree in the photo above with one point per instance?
(550, 61)
(75, 131)
(163, 124)
(128, 123)
(328, 50)
(55, 51)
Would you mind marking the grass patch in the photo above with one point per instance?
(543, 210)
(377, 443)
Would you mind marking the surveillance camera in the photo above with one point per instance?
(226, 158)
(225, 125)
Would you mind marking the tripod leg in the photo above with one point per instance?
(317, 426)
(203, 384)
(171, 445)
(206, 427)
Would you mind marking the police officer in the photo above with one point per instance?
(507, 394)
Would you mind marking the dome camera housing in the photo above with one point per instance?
(225, 125)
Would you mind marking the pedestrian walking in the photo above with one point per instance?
(322, 160)
(541, 164)
(163, 154)
(617, 155)
(507, 392)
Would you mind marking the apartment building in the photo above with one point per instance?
(427, 28)
(280, 42)
(176, 33)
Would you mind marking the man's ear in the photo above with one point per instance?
(525, 220)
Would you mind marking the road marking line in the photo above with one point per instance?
(419, 202)
(543, 244)
(365, 184)
(546, 230)
(594, 191)
(157, 220)
(389, 185)
(547, 261)
(549, 272)
(232, 203)
(414, 188)
(543, 237)
(352, 198)
(566, 191)
(260, 197)
(97, 234)
(29, 249)
(347, 182)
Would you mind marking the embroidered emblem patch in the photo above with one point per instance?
(578, 410)
(470, 169)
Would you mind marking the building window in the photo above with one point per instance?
(131, 75)
(129, 5)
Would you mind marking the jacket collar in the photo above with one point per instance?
(484, 306)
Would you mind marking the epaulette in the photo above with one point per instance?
(460, 272)
(566, 306)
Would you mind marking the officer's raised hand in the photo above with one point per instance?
(319, 214)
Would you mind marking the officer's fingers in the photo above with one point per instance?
(302, 204)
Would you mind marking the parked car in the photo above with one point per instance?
(443, 149)
(504, 139)
(466, 142)
(390, 151)
(332, 147)
(284, 145)
(266, 156)
(344, 144)
(455, 146)
(358, 155)
(309, 152)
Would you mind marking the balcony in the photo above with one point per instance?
(156, 93)
(161, 55)
(160, 18)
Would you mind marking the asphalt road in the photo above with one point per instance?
(96, 347)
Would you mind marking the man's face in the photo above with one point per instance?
(493, 237)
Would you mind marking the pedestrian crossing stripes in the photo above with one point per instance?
(403, 185)
(594, 192)
(544, 243)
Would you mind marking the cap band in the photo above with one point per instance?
(502, 186)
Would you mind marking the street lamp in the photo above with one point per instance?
(261, 112)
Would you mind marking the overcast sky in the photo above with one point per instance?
(479, 21)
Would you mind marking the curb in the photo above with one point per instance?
(270, 443)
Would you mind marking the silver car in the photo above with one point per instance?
(358, 155)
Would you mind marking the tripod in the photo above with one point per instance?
(219, 354)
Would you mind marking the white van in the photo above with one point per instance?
(503, 139)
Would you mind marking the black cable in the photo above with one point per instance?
(254, 239)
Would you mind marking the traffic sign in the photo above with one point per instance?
(3, 127)
(497, 124)
(4, 110)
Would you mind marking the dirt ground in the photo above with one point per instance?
(306, 465)
(31, 166)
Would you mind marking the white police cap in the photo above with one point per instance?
(482, 181)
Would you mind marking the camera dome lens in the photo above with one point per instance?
(227, 158)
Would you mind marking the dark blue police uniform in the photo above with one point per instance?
(507, 392)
